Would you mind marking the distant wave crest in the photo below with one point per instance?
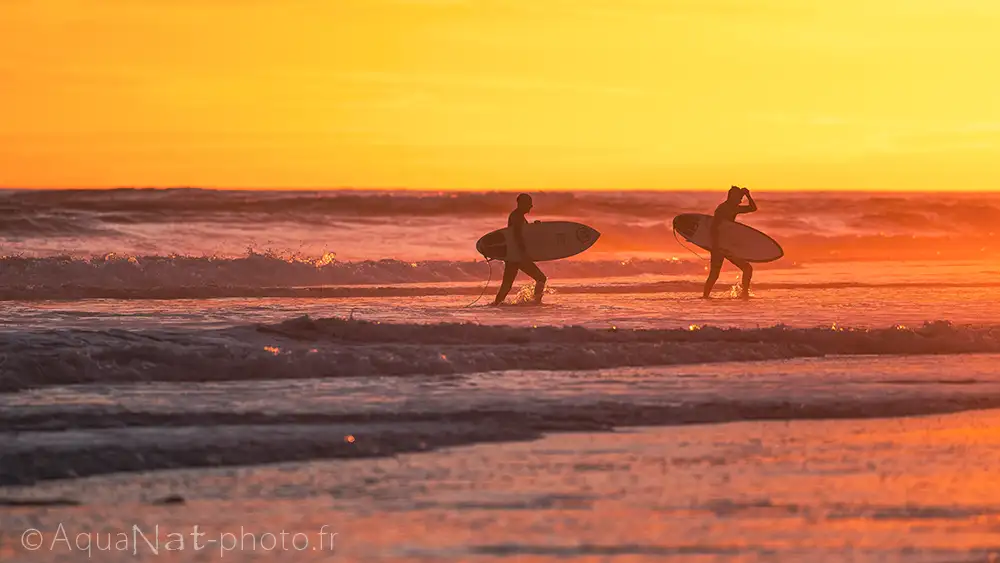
(785, 212)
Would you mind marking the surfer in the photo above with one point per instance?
(727, 211)
(516, 222)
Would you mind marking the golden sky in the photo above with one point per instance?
(496, 94)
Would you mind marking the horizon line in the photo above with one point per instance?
(484, 190)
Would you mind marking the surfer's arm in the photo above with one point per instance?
(518, 230)
(747, 208)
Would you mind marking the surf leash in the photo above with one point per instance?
(686, 247)
(489, 262)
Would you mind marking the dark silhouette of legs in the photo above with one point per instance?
(747, 275)
(509, 273)
(716, 267)
(532, 270)
(713, 274)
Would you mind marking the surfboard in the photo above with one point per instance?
(546, 240)
(735, 239)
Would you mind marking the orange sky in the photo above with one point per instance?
(494, 94)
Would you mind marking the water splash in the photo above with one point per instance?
(736, 291)
(526, 294)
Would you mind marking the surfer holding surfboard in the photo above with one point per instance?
(521, 244)
(524, 261)
(728, 239)
(727, 211)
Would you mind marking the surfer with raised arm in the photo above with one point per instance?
(516, 222)
(727, 211)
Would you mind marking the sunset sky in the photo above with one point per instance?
(501, 94)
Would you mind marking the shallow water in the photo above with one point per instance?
(139, 332)
(915, 489)
(60, 431)
(871, 294)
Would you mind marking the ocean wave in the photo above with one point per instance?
(857, 213)
(127, 204)
(261, 275)
(22, 225)
(297, 390)
(269, 274)
(429, 225)
(304, 348)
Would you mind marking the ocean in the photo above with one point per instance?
(197, 354)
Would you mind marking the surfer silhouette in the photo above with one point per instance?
(727, 211)
(516, 222)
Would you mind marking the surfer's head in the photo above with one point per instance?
(524, 202)
(735, 194)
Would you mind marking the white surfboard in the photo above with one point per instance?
(546, 240)
(735, 239)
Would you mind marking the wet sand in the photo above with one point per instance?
(901, 489)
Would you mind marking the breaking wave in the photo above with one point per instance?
(272, 275)
(123, 276)
(305, 348)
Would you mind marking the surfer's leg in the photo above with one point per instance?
(713, 274)
(747, 276)
(509, 273)
(532, 270)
